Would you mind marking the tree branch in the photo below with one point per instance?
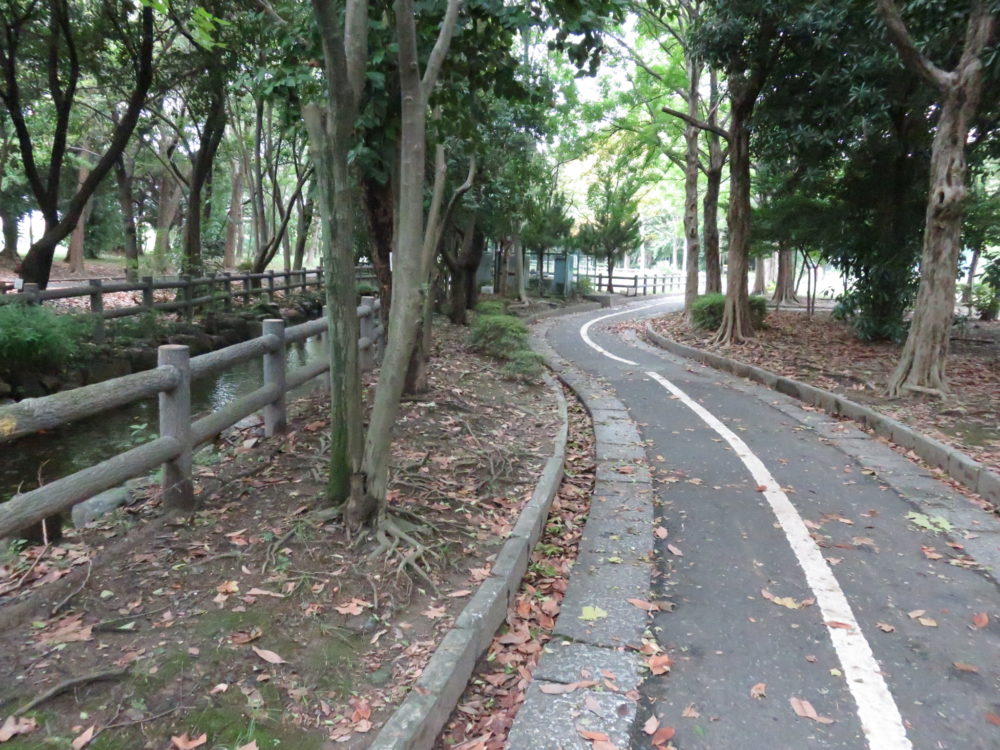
(436, 59)
(700, 124)
(913, 58)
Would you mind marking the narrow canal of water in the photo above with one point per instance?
(60, 452)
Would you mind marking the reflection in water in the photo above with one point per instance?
(76, 446)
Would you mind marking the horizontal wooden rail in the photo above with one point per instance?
(178, 435)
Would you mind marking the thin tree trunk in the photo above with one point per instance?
(377, 200)
(760, 276)
(201, 168)
(713, 184)
(784, 287)
(692, 135)
(127, 207)
(302, 233)
(77, 237)
(10, 233)
(971, 282)
(234, 218)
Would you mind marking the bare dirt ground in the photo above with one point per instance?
(257, 622)
(824, 352)
(110, 268)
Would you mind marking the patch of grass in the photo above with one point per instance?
(524, 365)
(491, 307)
(37, 338)
(499, 335)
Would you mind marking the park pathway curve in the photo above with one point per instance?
(821, 594)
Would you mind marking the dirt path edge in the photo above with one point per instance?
(417, 722)
(955, 463)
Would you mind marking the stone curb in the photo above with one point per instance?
(959, 466)
(568, 310)
(614, 563)
(415, 725)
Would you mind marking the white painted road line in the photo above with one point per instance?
(877, 710)
(585, 328)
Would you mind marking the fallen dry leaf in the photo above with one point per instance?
(589, 734)
(265, 592)
(651, 725)
(963, 667)
(885, 627)
(992, 718)
(15, 725)
(84, 738)
(659, 664)
(643, 605)
(690, 712)
(758, 690)
(269, 656)
(927, 622)
(663, 734)
(675, 550)
(354, 607)
(559, 688)
(980, 620)
(660, 532)
(251, 745)
(805, 709)
(836, 624)
(183, 742)
(914, 614)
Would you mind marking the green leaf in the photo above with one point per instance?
(591, 614)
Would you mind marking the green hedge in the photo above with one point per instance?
(499, 335)
(491, 307)
(36, 338)
(706, 312)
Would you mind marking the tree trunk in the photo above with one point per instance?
(520, 277)
(78, 236)
(10, 234)
(736, 323)
(170, 201)
(611, 274)
(234, 218)
(126, 205)
(971, 282)
(378, 200)
(713, 184)
(201, 168)
(784, 287)
(921, 365)
(760, 276)
(692, 135)
(302, 234)
(503, 250)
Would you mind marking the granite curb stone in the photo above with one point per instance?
(417, 722)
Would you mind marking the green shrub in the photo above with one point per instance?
(37, 338)
(366, 289)
(583, 286)
(524, 365)
(706, 312)
(986, 301)
(149, 327)
(499, 335)
(490, 307)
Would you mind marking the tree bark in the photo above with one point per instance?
(10, 234)
(201, 167)
(921, 365)
(692, 136)
(234, 218)
(713, 185)
(784, 287)
(736, 323)
(302, 234)
(760, 276)
(126, 204)
(520, 277)
(378, 200)
(74, 257)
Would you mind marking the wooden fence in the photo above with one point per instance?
(192, 293)
(171, 382)
(637, 284)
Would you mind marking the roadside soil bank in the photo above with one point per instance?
(824, 352)
(259, 619)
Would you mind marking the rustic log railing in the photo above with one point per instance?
(192, 293)
(636, 284)
(171, 382)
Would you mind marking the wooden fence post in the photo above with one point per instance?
(227, 287)
(175, 422)
(97, 309)
(245, 278)
(274, 373)
(366, 355)
(188, 290)
(147, 293)
(270, 286)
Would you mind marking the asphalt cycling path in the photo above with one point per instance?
(799, 576)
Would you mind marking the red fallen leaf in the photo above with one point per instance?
(992, 718)
(188, 743)
(604, 745)
(663, 734)
(758, 690)
(841, 625)
(557, 688)
(963, 667)
(980, 621)
(761, 488)
(643, 605)
(591, 735)
(675, 550)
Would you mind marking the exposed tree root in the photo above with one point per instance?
(65, 685)
(390, 533)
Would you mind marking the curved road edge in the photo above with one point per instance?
(416, 723)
